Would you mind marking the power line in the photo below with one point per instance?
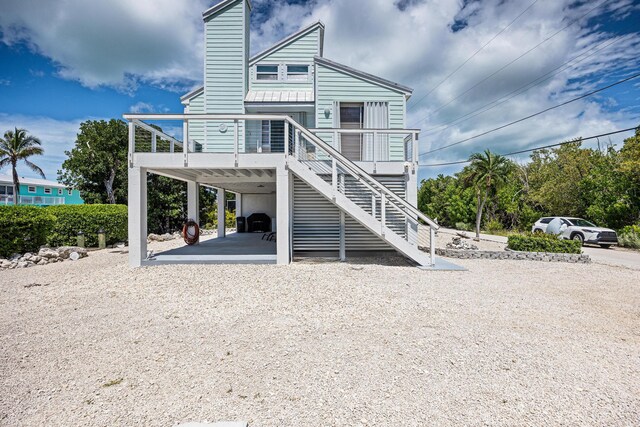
(499, 101)
(460, 162)
(471, 57)
(508, 64)
(535, 114)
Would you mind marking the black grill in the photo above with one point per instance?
(258, 222)
(608, 236)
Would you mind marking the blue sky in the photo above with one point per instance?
(67, 61)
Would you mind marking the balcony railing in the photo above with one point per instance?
(265, 133)
(32, 200)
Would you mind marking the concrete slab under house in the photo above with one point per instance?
(316, 152)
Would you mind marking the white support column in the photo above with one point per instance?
(283, 215)
(137, 216)
(193, 201)
(238, 204)
(222, 231)
(343, 235)
(412, 197)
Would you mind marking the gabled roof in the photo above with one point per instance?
(364, 76)
(32, 181)
(187, 96)
(301, 33)
(220, 6)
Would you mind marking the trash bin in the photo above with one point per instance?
(241, 224)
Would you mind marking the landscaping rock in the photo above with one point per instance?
(74, 256)
(65, 251)
(48, 253)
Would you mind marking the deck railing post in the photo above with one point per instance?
(297, 144)
(132, 142)
(337, 141)
(154, 142)
(185, 141)
(334, 176)
(414, 147)
(236, 140)
(375, 140)
(287, 143)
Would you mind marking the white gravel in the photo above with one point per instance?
(319, 344)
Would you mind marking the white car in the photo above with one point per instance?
(579, 229)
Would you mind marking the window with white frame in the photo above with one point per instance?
(267, 72)
(47, 190)
(69, 191)
(6, 190)
(31, 189)
(299, 73)
(59, 191)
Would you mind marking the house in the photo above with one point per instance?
(38, 192)
(315, 150)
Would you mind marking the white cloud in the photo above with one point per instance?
(414, 45)
(56, 137)
(114, 43)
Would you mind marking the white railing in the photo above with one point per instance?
(32, 200)
(372, 145)
(304, 146)
(250, 136)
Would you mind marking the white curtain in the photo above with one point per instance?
(376, 116)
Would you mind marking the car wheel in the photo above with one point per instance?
(537, 230)
(578, 237)
(605, 246)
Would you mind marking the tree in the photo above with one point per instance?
(15, 146)
(486, 172)
(97, 165)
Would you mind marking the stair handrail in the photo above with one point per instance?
(359, 172)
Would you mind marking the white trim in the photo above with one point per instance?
(47, 190)
(29, 187)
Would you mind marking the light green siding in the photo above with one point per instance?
(337, 86)
(196, 127)
(299, 51)
(226, 55)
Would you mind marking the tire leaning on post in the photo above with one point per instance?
(191, 232)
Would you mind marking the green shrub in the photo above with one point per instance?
(23, 229)
(542, 242)
(629, 237)
(494, 226)
(212, 218)
(88, 219)
(463, 226)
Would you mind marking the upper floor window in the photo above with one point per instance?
(47, 191)
(298, 72)
(6, 190)
(266, 72)
(31, 189)
(69, 192)
(59, 191)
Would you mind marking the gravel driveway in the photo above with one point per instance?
(317, 344)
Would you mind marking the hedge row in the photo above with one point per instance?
(23, 229)
(541, 242)
(70, 219)
(26, 228)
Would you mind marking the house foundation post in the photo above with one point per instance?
(222, 231)
(283, 216)
(412, 197)
(193, 201)
(137, 216)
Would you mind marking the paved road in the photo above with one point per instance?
(614, 256)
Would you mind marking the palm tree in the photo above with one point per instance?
(486, 171)
(17, 145)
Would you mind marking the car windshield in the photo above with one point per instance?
(581, 222)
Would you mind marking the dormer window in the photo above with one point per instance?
(298, 73)
(266, 72)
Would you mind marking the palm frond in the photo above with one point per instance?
(35, 168)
